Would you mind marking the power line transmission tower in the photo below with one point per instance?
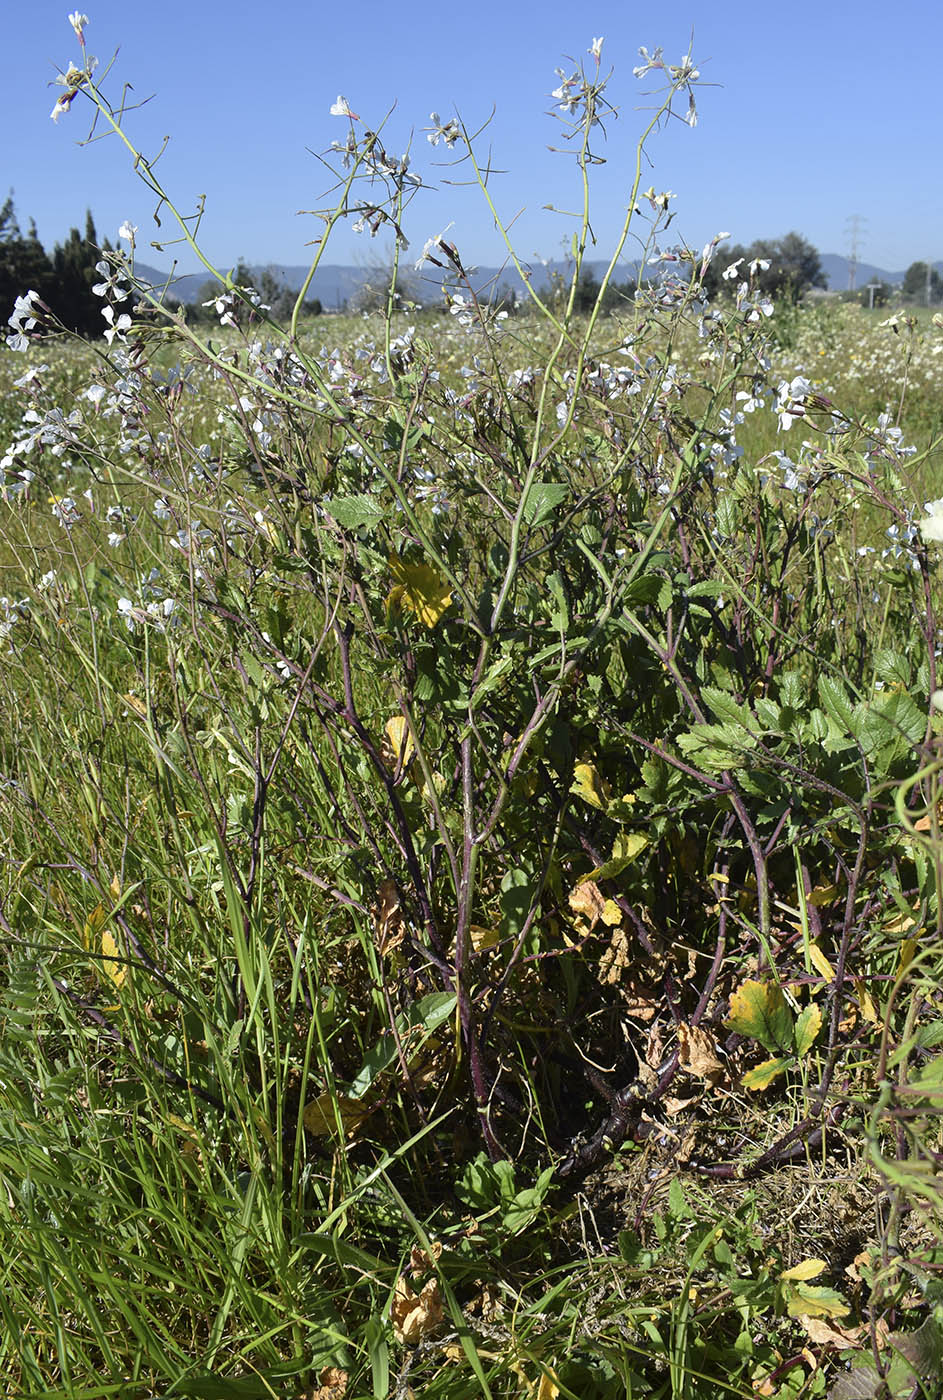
(854, 224)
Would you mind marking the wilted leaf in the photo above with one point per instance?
(387, 917)
(861, 1383)
(415, 1315)
(332, 1384)
(697, 1052)
(759, 1010)
(826, 1334)
(922, 1349)
(420, 590)
(587, 901)
(420, 1262)
(808, 1025)
(809, 1268)
(590, 786)
(397, 747)
(320, 1118)
(762, 1075)
(616, 958)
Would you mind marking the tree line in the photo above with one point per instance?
(64, 279)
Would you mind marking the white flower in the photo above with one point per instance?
(78, 23)
(932, 527)
(595, 47)
(789, 405)
(341, 108)
(430, 244)
(128, 230)
(115, 328)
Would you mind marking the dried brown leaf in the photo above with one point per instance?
(387, 917)
(587, 901)
(830, 1334)
(697, 1053)
(415, 1315)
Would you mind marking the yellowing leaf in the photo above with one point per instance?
(590, 786)
(483, 937)
(807, 1301)
(611, 914)
(821, 963)
(866, 1002)
(809, 1268)
(548, 1389)
(823, 895)
(117, 971)
(908, 948)
(764, 1074)
(93, 926)
(321, 1121)
(420, 590)
(808, 1025)
(626, 847)
(759, 1010)
(398, 748)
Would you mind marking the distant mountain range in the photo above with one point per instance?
(335, 283)
(836, 268)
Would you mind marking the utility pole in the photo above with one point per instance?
(854, 225)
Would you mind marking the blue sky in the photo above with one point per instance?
(820, 112)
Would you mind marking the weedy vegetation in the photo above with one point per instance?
(471, 891)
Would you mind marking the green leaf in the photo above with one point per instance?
(891, 667)
(726, 708)
(515, 901)
(414, 1026)
(355, 512)
(838, 707)
(542, 500)
(759, 1010)
(728, 514)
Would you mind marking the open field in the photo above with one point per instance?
(471, 891)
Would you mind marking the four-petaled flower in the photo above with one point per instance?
(115, 328)
(341, 108)
(78, 22)
(595, 47)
